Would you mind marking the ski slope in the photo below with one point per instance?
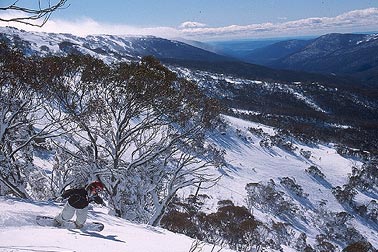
(19, 232)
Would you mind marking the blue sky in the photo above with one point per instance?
(211, 12)
(215, 19)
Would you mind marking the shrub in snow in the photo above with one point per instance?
(305, 154)
(369, 211)
(258, 132)
(365, 178)
(216, 155)
(222, 128)
(231, 225)
(266, 198)
(225, 203)
(324, 245)
(266, 143)
(282, 233)
(291, 185)
(315, 172)
(372, 210)
(181, 222)
(360, 246)
(183, 216)
(301, 244)
(277, 140)
(335, 227)
(349, 152)
(344, 194)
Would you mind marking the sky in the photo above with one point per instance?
(205, 20)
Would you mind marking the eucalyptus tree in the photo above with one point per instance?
(137, 127)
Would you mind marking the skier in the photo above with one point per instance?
(78, 201)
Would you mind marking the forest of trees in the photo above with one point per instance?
(136, 127)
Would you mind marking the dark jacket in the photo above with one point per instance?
(79, 198)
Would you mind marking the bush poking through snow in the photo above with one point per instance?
(361, 246)
(291, 185)
(266, 198)
(315, 172)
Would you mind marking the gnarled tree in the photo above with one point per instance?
(25, 122)
(137, 127)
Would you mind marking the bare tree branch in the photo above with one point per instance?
(29, 14)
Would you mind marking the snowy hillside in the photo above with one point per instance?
(108, 48)
(247, 162)
(296, 161)
(19, 232)
(252, 163)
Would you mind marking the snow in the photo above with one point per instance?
(19, 232)
(368, 38)
(247, 162)
(307, 100)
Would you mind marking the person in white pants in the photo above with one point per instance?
(68, 212)
(78, 201)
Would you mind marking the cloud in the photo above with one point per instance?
(351, 21)
(356, 20)
(190, 24)
(87, 26)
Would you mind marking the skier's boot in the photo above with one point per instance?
(57, 223)
(78, 225)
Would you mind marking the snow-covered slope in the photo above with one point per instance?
(108, 48)
(248, 161)
(19, 232)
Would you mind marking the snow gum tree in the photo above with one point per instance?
(136, 127)
(24, 124)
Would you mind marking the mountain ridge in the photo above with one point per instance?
(123, 48)
(346, 55)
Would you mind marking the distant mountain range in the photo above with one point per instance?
(350, 55)
(274, 52)
(120, 48)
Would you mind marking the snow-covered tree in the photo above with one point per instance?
(267, 198)
(137, 127)
(25, 122)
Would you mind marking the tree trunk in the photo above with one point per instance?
(14, 188)
(160, 211)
